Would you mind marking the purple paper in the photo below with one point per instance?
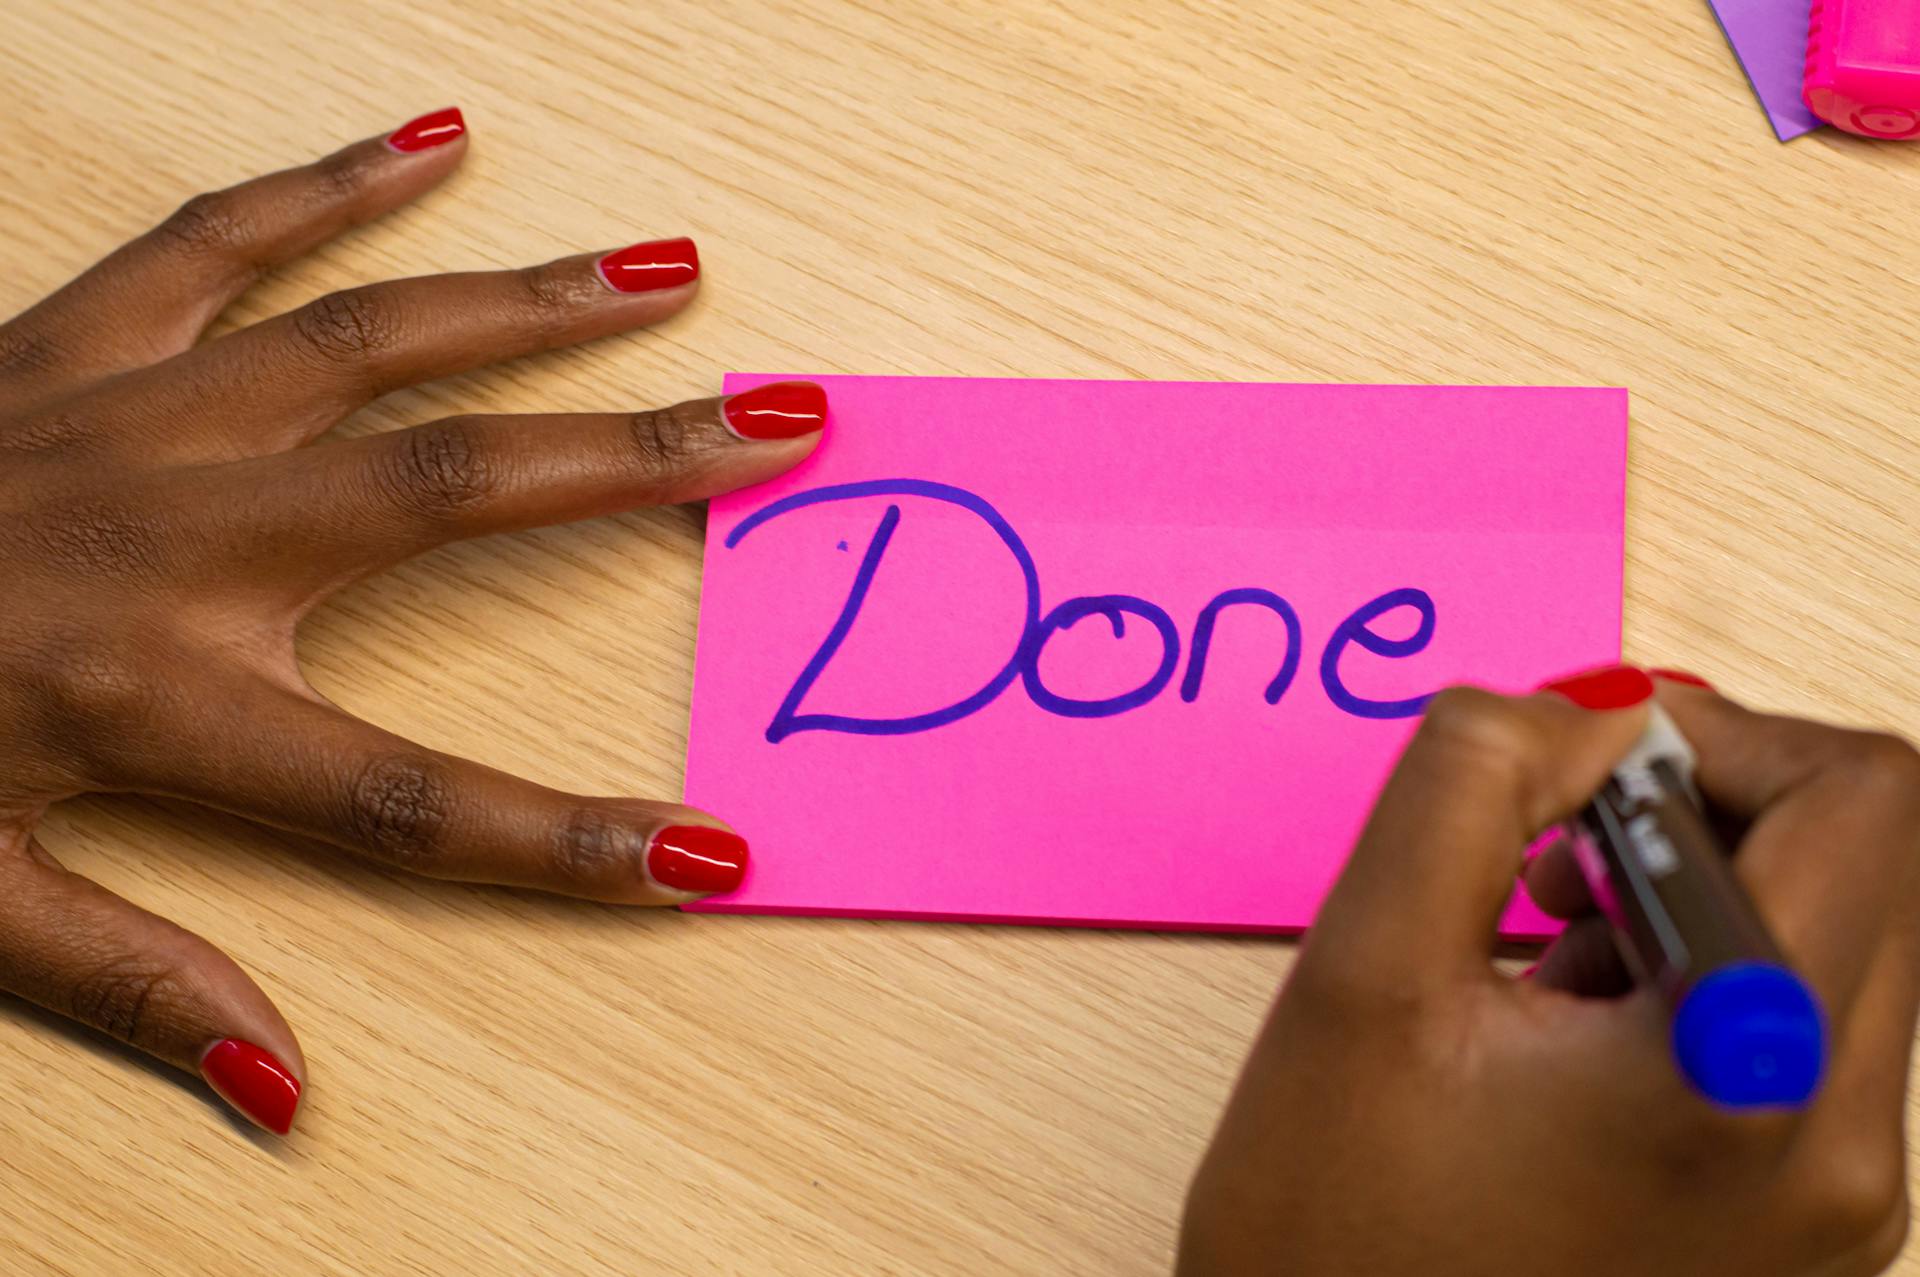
(1770, 39)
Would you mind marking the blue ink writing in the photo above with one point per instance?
(1023, 663)
(1115, 608)
(1354, 630)
(789, 719)
(1203, 640)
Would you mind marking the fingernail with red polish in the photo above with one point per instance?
(1529, 973)
(253, 1081)
(1615, 687)
(784, 410)
(697, 858)
(436, 128)
(646, 268)
(1681, 676)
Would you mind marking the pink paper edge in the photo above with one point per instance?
(1025, 920)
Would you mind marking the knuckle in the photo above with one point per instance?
(100, 538)
(440, 470)
(592, 845)
(91, 682)
(27, 351)
(92, 706)
(397, 808)
(551, 295)
(665, 440)
(214, 222)
(353, 326)
(47, 433)
(120, 997)
(1478, 729)
(345, 175)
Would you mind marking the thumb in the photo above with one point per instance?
(1419, 902)
(80, 951)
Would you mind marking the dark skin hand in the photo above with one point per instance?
(169, 513)
(1411, 1112)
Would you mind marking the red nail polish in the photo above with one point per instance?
(1615, 687)
(436, 128)
(1529, 973)
(1681, 676)
(697, 858)
(784, 410)
(252, 1081)
(645, 268)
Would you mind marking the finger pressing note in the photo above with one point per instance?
(288, 759)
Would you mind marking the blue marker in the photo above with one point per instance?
(1747, 1032)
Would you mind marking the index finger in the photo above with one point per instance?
(1421, 897)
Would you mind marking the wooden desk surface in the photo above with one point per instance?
(1508, 191)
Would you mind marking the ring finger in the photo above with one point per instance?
(280, 383)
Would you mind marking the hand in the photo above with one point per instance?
(164, 528)
(1408, 1110)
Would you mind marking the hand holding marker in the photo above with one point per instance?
(1746, 1031)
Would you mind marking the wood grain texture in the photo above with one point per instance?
(1544, 191)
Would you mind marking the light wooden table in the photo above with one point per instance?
(1503, 191)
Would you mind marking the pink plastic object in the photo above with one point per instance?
(1863, 66)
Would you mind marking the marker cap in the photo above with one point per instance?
(1750, 1035)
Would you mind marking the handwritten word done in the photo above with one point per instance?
(1024, 664)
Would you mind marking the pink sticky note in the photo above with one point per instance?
(1099, 653)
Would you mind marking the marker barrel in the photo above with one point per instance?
(1746, 1030)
